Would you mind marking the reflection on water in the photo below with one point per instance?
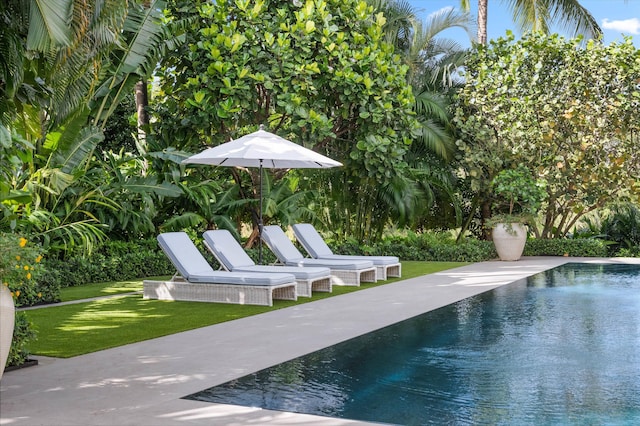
(562, 347)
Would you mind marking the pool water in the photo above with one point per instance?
(561, 347)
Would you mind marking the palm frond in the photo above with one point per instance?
(136, 59)
(183, 221)
(49, 24)
(73, 152)
(532, 15)
(146, 185)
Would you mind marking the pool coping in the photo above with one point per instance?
(143, 383)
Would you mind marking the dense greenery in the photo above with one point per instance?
(566, 247)
(62, 77)
(317, 72)
(114, 261)
(24, 335)
(517, 196)
(569, 112)
(21, 271)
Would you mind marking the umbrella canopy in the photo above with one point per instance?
(262, 149)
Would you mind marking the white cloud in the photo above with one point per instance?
(627, 26)
(444, 10)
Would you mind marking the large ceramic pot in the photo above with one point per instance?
(509, 239)
(7, 320)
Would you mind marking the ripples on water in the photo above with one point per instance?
(562, 347)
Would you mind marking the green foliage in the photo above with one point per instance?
(432, 246)
(120, 128)
(516, 191)
(24, 335)
(53, 187)
(618, 227)
(586, 247)
(113, 261)
(628, 252)
(23, 272)
(317, 72)
(569, 112)
(622, 226)
(428, 246)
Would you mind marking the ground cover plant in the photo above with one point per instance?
(70, 330)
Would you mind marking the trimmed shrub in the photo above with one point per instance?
(440, 247)
(23, 334)
(114, 261)
(581, 247)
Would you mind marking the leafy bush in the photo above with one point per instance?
(442, 247)
(618, 228)
(581, 247)
(628, 252)
(23, 334)
(22, 271)
(622, 226)
(430, 246)
(113, 261)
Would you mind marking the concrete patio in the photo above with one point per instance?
(143, 383)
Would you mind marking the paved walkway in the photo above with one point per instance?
(143, 383)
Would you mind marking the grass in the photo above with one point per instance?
(70, 330)
(102, 289)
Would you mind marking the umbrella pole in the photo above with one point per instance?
(260, 221)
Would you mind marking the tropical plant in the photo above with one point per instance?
(517, 196)
(82, 59)
(621, 225)
(433, 61)
(569, 112)
(21, 268)
(319, 73)
(539, 16)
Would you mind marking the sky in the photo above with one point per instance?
(615, 17)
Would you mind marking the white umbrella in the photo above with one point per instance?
(263, 150)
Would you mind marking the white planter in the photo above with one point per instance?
(7, 320)
(509, 240)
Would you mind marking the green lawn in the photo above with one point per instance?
(102, 289)
(70, 330)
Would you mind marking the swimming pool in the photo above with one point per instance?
(562, 347)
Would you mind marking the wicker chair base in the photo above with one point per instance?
(386, 271)
(305, 288)
(353, 277)
(220, 293)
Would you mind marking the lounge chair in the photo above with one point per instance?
(310, 239)
(195, 279)
(232, 257)
(343, 272)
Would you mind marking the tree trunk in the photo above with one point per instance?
(142, 101)
(482, 21)
(485, 213)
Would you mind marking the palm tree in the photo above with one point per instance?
(81, 58)
(532, 15)
(433, 62)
